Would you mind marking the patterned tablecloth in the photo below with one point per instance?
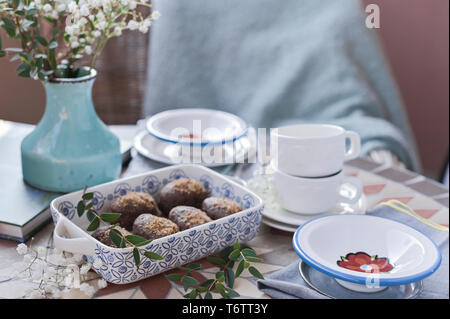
(380, 183)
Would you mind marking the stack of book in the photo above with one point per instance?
(24, 210)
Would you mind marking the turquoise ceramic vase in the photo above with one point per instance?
(70, 147)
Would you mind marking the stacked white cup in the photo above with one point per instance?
(308, 161)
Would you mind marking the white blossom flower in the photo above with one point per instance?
(85, 267)
(132, 5)
(84, 10)
(27, 258)
(74, 44)
(61, 7)
(22, 249)
(101, 25)
(133, 25)
(147, 23)
(117, 31)
(96, 33)
(156, 15)
(87, 289)
(41, 250)
(72, 6)
(102, 283)
(47, 7)
(143, 29)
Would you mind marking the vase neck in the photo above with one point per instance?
(69, 100)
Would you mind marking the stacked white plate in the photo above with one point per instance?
(196, 136)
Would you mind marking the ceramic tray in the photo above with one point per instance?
(117, 264)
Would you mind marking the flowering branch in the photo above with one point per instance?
(55, 35)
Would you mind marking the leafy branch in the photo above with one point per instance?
(223, 283)
(85, 206)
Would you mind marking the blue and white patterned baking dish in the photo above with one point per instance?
(117, 265)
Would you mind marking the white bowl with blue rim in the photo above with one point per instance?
(366, 253)
(196, 127)
(117, 265)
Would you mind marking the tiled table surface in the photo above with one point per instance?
(427, 198)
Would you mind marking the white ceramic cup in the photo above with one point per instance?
(310, 196)
(313, 150)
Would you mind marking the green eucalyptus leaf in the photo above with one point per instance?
(240, 268)
(207, 283)
(153, 255)
(80, 208)
(230, 277)
(254, 259)
(232, 293)
(248, 252)
(9, 27)
(110, 217)
(42, 41)
(2, 53)
(117, 238)
(137, 257)
(234, 254)
(217, 261)
(255, 272)
(191, 295)
(194, 266)
(94, 224)
(137, 240)
(220, 287)
(220, 275)
(90, 216)
(189, 281)
(174, 277)
(88, 196)
(25, 74)
(208, 295)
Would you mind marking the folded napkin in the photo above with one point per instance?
(288, 284)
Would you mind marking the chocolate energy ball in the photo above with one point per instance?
(102, 235)
(153, 227)
(182, 192)
(131, 206)
(187, 217)
(217, 207)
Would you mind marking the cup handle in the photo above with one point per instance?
(77, 243)
(355, 145)
(358, 187)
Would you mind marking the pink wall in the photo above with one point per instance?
(415, 34)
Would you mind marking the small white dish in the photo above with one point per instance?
(279, 214)
(313, 150)
(169, 153)
(315, 195)
(196, 126)
(366, 253)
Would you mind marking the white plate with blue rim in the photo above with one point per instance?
(196, 127)
(170, 153)
(365, 253)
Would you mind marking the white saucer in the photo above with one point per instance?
(166, 152)
(277, 225)
(278, 214)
